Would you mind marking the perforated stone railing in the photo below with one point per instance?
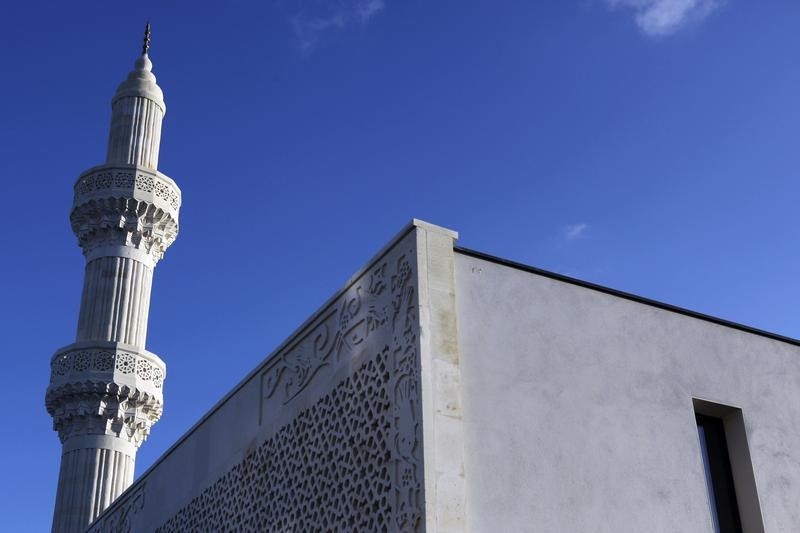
(84, 362)
(139, 182)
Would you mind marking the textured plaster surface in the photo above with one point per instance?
(578, 408)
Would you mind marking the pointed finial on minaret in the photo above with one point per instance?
(146, 44)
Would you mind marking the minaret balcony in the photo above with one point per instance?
(128, 181)
(105, 388)
(108, 362)
(125, 205)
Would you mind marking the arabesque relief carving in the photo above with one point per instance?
(352, 460)
(367, 309)
(121, 519)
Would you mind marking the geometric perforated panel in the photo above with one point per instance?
(352, 460)
(329, 469)
(339, 441)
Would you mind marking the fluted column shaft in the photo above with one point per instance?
(115, 305)
(103, 474)
(115, 302)
(135, 134)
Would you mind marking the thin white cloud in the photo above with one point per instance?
(574, 231)
(332, 16)
(368, 9)
(658, 18)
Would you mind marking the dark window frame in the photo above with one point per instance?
(722, 492)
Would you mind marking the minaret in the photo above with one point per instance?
(106, 390)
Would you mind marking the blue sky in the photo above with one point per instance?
(647, 145)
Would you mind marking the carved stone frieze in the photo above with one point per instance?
(351, 457)
(123, 517)
(373, 307)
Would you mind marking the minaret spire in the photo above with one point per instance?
(137, 110)
(106, 389)
(146, 43)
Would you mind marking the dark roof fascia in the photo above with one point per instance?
(625, 295)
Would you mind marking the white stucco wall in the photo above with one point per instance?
(578, 415)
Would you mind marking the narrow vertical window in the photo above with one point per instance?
(730, 480)
(719, 477)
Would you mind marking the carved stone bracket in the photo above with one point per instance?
(123, 221)
(101, 408)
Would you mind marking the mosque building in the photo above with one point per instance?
(440, 389)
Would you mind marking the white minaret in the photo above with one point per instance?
(106, 390)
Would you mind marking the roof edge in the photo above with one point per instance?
(625, 295)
